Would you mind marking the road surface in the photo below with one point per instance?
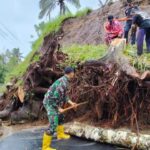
(32, 140)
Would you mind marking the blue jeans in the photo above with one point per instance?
(126, 33)
(140, 40)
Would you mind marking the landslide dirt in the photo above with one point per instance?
(89, 29)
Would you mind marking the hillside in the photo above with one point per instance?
(89, 29)
(84, 28)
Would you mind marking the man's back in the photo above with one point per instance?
(57, 91)
(141, 21)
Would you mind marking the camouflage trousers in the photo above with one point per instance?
(54, 118)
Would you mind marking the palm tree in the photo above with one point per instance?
(47, 6)
(104, 2)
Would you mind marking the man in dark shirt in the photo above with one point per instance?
(142, 20)
(128, 12)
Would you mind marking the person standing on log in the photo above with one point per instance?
(128, 12)
(142, 20)
(53, 101)
(113, 29)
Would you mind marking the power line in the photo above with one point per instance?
(7, 30)
(8, 35)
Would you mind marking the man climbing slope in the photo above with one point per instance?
(54, 99)
(113, 29)
(128, 12)
(142, 20)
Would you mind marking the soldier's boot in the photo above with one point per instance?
(61, 134)
(47, 141)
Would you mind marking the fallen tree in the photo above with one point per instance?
(118, 137)
(25, 102)
(118, 95)
(110, 83)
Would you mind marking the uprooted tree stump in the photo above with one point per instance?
(116, 92)
(118, 97)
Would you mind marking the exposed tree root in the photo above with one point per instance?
(117, 94)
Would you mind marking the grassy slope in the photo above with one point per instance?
(142, 62)
(81, 53)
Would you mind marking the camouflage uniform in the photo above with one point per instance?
(55, 98)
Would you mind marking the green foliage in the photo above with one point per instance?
(20, 69)
(142, 62)
(50, 27)
(84, 12)
(8, 61)
(54, 26)
(81, 53)
(2, 68)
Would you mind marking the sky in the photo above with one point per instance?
(17, 20)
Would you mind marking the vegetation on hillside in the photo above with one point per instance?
(20, 69)
(81, 53)
(8, 61)
(46, 28)
(142, 62)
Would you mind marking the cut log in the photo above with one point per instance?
(115, 137)
(115, 55)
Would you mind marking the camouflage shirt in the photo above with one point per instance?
(57, 94)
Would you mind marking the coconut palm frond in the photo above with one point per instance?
(75, 3)
(46, 7)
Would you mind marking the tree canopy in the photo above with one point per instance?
(8, 61)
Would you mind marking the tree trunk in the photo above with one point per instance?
(116, 137)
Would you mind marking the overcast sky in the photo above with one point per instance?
(17, 20)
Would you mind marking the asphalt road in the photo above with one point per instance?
(32, 140)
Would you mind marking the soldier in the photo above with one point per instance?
(54, 99)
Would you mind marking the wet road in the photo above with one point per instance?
(31, 140)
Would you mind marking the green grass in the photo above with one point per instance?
(83, 12)
(50, 27)
(82, 53)
(142, 62)
(55, 24)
